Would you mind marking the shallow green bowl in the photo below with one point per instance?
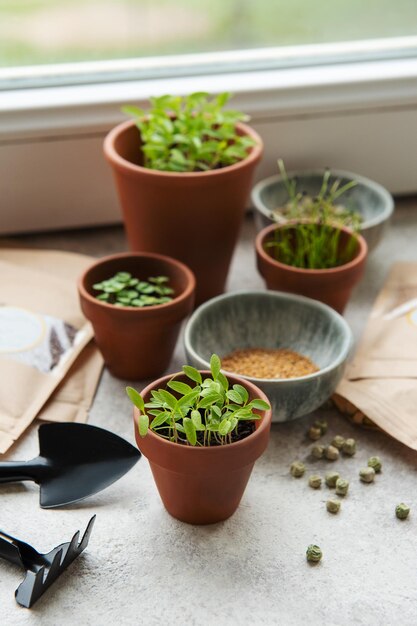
(266, 319)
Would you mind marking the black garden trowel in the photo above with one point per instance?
(75, 461)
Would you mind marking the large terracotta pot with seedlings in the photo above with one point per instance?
(202, 433)
(183, 172)
(136, 304)
(316, 260)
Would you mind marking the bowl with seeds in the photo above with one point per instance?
(294, 348)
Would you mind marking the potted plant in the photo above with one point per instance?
(202, 433)
(183, 172)
(353, 200)
(317, 259)
(136, 304)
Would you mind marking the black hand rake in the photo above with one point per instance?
(41, 569)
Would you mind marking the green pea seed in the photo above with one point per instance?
(338, 442)
(349, 447)
(342, 486)
(317, 451)
(297, 469)
(314, 553)
(331, 453)
(333, 506)
(402, 511)
(331, 479)
(375, 463)
(315, 481)
(367, 474)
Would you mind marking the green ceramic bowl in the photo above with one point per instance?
(266, 319)
(371, 200)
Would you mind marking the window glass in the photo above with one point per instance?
(36, 32)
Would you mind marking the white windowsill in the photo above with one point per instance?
(262, 94)
(355, 116)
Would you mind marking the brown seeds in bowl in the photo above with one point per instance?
(268, 363)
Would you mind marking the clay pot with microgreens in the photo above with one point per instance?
(186, 206)
(341, 263)
(137, 342)
(201, 433)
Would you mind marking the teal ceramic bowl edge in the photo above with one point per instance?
(290, 398)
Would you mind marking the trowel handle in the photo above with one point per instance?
(16, 471)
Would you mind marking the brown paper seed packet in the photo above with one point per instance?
(380, 384)
(44, 338)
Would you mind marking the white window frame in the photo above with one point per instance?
(346, 114)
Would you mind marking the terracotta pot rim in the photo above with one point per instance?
(243, 443)
(114, 157)
(183, 296)
(357, 260)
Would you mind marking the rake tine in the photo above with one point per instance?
(30, 589)
(86, 536)
(71, 551)
(54, 570)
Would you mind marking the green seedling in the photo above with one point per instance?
(310, 237)
(192, 133)
(124, 290)
(206, 413)
(302, 206)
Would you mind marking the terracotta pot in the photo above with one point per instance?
(137, 343)
(203, 485)
(331, 286)
(194, 217)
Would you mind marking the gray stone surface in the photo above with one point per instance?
(143, 567)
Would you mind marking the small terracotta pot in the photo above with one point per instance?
(191, 216)
(137, 343)
(203, 485)
(331, 286)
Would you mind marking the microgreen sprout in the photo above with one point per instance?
(193, 133)
(206, 414)
(124, 290)
(311, 239)
(300, 205)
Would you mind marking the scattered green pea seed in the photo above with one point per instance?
(317, 451)
(375, 462)
(367, 474)
(314, 553)
(342, 486)
(314, 433)
(331, 479)
(322, 424)
(297, 469)
(338, 442)
(331, 453)
(402, 511)
(349, 447)
(333, 506)
(315, 481)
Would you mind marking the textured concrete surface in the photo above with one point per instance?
(143, 567)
